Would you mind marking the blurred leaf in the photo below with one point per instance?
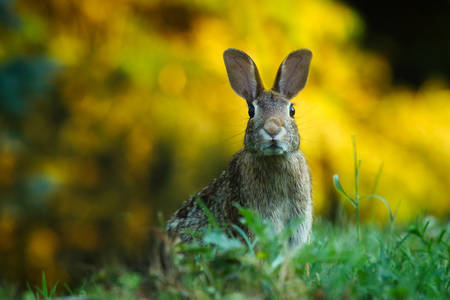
(23, 80)
(221, 240)
(7, 17)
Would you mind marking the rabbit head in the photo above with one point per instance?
(271, 129)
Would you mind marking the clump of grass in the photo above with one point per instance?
(409, 262)
(42, 292)
(357, 197)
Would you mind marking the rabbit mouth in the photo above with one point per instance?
(273, 148)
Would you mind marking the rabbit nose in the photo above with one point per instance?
(272, 126)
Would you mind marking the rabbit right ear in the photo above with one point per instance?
(243, 74)
(293, 72)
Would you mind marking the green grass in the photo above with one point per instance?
(42, 292)
(356, 198)
(344, 261)
(401, 263)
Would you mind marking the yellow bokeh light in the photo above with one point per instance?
(41, 248)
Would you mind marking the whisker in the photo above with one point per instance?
(234, 135)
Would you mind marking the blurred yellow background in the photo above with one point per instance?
(115, 110)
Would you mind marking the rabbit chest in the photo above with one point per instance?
(277, 188)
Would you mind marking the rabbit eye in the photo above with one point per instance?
(251, 111)
(291, 111)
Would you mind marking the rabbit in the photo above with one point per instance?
(269, 175)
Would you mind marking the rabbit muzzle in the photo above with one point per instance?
(272, 136)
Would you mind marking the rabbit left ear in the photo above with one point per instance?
(292, 74)
(243, 74)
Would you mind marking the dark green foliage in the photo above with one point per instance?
(7, 18)
(23, 80)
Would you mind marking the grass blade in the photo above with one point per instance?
(357, 166)
(338, 186)
(211, 219)
(53, 291)
(391, 216)
(44, 286)
(377, 178)
(245, 237)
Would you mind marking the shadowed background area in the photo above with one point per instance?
(111, 112)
